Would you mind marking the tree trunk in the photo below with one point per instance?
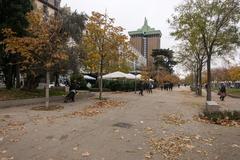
(196, 81)
(57, 80)
(200, 80)
(47, 89)
(8, 77)
(17, 74)
(193, 78)
(100, 84)
(209, 97)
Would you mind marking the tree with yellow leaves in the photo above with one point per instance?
(44, 46)
(234, 73)
(105, 46)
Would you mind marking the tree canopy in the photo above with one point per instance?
(105, 45)
(214, 24)
(164, 58)
(12, 15)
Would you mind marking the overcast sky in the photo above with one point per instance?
(130, 13)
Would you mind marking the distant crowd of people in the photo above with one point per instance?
(148, 86)
(145, 86)
(167, 86)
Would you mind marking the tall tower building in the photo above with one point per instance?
(145, 40)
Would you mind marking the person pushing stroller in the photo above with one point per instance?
(72, 92)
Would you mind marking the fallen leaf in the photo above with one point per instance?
(148, 155)
(75, 148)
(85, 154)
(140, 148)
(197, 137)
(4, 151)
(116, 131)
(235, 146)
(189, 146)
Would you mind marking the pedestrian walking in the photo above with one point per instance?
(150, 86)
(222, 92)
(141, 87)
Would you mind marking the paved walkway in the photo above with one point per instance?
(149, 121)
(229, 103)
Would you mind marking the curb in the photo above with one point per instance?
(233, 96)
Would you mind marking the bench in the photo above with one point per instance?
(212, 106)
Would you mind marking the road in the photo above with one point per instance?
(154, 126)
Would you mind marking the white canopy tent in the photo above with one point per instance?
(115, 75)
(118, 74)
(89, 77)
(130, 76)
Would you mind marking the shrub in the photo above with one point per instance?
(119, 85)
(81, 82)
(97, 90)
(216, 116)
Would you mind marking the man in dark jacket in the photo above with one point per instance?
(222, 92)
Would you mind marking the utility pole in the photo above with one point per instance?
(135, 83)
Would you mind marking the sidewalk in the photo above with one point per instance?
(229, 103)
(21, 102)
(27, 134)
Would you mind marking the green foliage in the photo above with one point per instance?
(217, 116)
(211, 27)
(12, 16)
(120, 85)
(26, 94)
(233, 91)
(73, 23)
(76, 77)
(164, 58)
(79, 79)
(97, 89)
(106, 46)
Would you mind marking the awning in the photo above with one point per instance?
(89, 77)
(115, 75)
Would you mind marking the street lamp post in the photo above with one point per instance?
(135, 83)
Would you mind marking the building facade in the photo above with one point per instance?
(140, 62)
(49, 7)
(145, 40)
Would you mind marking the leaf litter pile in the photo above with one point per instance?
(12, 126)
(50, 108)
(98, 108)
(171, 147)
(176, 119)
(174, 146)
(10, 132)
(223, 122)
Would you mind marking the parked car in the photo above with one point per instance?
(51, 85)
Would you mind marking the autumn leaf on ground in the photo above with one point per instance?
(174, 119)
